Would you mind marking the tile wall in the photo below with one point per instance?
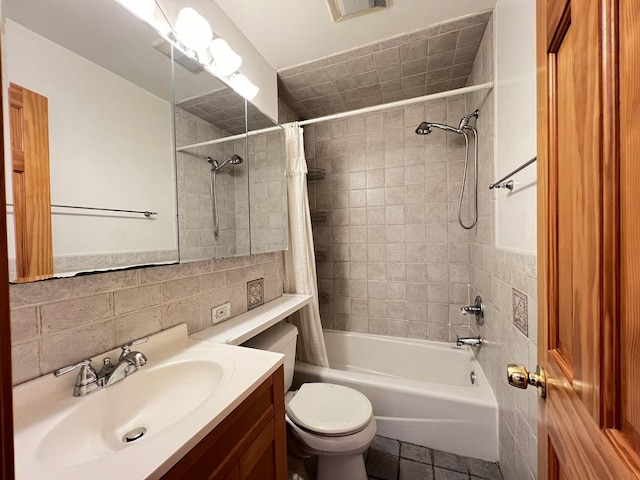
(437, 58)
(499, 275)
(58, 322)
(268, 187)
(396, 259)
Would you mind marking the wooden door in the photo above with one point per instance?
(29, 126)
(589, 247)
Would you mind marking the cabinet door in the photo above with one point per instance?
(234, 474)
(259, 461)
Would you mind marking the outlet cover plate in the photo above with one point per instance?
(220, 313)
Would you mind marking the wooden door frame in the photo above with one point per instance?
(6, 390)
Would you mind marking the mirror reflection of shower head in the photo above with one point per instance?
(234, 159)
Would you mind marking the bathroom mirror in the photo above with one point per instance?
(112, 143)
(109, 127)
(267, 185)
(232, 197)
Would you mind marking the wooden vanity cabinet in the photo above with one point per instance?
(250, 444)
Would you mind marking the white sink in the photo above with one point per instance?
(152, 399)
(184, 391)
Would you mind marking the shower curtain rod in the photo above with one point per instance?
(336, 116)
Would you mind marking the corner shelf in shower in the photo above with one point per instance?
(247, 325)
(318, 216)
(321, 255)
(314, 174)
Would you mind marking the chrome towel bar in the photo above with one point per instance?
(146, 213)
(509, 185)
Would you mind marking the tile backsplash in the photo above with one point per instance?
(58, 322)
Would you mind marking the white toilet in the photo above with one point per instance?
(335, 423)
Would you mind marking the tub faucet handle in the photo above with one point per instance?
(469, 341)
(477, 309)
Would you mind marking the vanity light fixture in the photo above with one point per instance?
(241, 84)
(193, 36)
(193, 30)
(225, 61)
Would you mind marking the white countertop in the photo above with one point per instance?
(42, 404)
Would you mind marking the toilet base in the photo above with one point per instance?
(341, 467)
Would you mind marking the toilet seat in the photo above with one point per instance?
(330, 410)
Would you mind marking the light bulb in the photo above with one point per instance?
(144, 9)
(225, 60)
(241, 84)
(193, 30)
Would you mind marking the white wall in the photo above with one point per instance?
(110, 146)
(516, 122)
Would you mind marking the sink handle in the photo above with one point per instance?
(87, 380)
(126, 348)
(69, 368)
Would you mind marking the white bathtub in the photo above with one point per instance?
(421, 391)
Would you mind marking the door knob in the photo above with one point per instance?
(520, 378)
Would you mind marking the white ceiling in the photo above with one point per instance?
(291, 32)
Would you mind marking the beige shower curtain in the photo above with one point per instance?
(299, 259)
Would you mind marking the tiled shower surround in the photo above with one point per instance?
(397, 263)
(396, 259)
(58, 322)
(435, 59)
(498, 275)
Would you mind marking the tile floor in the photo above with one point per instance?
(389, 459)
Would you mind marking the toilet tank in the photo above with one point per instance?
(280, 338)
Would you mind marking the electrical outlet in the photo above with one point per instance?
(220, 313)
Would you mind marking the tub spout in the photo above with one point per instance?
(470, 341)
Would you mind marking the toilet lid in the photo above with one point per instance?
(329, 409)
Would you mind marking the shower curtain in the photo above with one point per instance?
(299, 259)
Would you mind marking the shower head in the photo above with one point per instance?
(234, 159)
(423, 129)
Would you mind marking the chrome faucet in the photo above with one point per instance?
(469, 341)
(89, 380)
